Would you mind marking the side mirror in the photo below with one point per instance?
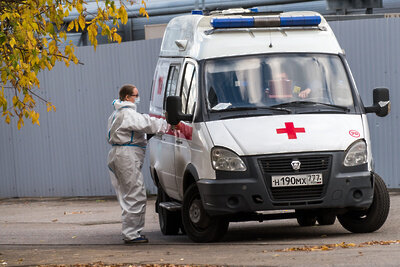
(381, 106)
(174, 111)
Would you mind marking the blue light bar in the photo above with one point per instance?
(254, 9)
(233, 22)
(197, 12)
(300, 21)
(265, 21)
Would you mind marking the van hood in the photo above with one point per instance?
(287, 133)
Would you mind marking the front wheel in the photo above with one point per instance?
(199, 226)
(371, 219)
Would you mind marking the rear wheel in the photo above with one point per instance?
(169, 221)
(199, 226)
(371, 219)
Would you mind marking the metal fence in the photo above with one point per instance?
(66, 155)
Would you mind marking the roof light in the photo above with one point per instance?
(300, 21)
(197, 12)
(232, 22)
(265, 21)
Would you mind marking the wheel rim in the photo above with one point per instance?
(195, 211)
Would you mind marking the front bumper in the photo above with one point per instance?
(250, 191)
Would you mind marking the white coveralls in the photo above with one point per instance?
(127, 131)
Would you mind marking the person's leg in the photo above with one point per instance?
(131, 191)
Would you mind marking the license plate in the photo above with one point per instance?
(297, 180)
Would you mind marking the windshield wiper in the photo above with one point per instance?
(252, 108)
(277, 109)
(293, 103)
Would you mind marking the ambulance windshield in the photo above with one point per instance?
(300, 82)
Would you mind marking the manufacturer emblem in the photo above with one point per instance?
(296, 165)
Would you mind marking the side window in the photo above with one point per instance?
(189, 91)
(172, 82)
(192, 95)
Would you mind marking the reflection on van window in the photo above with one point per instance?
(187, 85)
(264, 81)
(172, 82)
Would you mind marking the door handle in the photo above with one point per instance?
(179, 142)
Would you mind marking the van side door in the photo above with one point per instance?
(166, 162)
(184, 132)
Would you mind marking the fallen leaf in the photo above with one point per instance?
(55, 220)
(73, 212)
(74, 236)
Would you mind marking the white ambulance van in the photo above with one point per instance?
(265, 117)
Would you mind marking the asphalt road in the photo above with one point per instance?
(87, 230)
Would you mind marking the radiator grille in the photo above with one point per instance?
(283, 165)
(297, 193)
(309, 164)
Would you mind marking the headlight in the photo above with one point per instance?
(225, 160)
(356, 154)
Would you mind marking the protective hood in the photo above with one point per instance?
(123, 104)
(287, 133)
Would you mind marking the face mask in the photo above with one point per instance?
(137, 101)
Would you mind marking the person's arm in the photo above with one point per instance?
(144, 123)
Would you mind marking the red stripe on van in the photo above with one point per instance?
(181, 130)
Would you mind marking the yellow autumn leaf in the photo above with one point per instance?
(70, 26)
(79, 6)
(76, 25)
(123, 14)
(8, 119)
(35, 117)
(15, 100)
(20, 123)
(63, 35)
(117, 37)
(12, 42)
(66, 62)
(142, 11)
(82, 22)
(50, 107)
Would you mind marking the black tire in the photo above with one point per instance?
(306, 218)
(371, 219)
(199, 226)
(169, 221)
(326, 219)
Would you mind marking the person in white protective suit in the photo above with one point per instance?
(127, 131)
